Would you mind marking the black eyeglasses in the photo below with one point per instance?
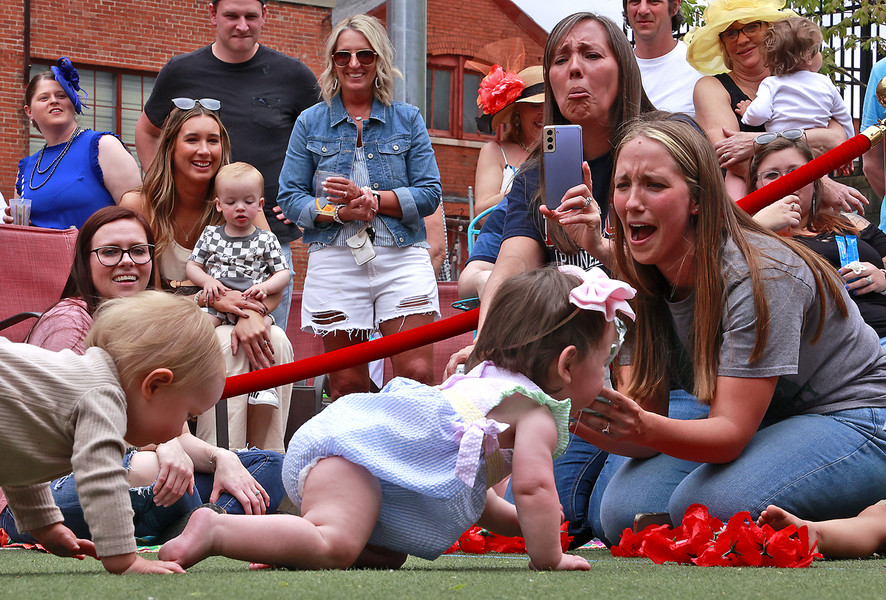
(730, 35)
(189, 103)
(342, 58)
(770, 136)
(110, 256)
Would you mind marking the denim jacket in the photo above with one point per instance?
(398, 153)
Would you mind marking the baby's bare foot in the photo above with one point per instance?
(779, 518)
(195, 542)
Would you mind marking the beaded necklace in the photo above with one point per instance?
(54, 164)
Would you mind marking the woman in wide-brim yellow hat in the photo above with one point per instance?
(727, 48)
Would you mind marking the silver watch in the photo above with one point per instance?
(335, 216)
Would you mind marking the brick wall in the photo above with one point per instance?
(141, 37)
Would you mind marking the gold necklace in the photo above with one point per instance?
(187, 234)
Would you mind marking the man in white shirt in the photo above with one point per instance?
(667, 77)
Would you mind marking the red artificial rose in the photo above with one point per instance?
(704, 541)
(498, 89)
(473, 541)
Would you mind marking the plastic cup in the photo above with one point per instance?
(20, 208)
(319, 178)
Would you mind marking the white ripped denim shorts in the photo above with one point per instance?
(340, 295)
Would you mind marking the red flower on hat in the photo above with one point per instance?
(498, 89)
(703, 540)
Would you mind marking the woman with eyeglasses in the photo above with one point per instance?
(359, 178)
(758, 327)
(78, 170)
(178, 200)
(114, 259)
(728, 50)
(854, 246)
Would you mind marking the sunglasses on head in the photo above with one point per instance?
(771, 136)
(189, 103)
(342, 58)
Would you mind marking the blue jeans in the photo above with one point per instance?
(281, 313)
(816, 466)
(583, 472)
(152, 520)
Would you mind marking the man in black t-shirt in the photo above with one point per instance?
(262, 93)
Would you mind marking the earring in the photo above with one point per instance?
(693, 210)
(377, 83)
(517, 120)
(334, 84)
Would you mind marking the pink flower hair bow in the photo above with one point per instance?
(600, 292)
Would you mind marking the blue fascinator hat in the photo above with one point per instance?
(69, 79)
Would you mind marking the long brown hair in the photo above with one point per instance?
(630, 101)
(80, 284)
(158, 189)
(718, 219)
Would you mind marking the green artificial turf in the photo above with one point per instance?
(29, 574)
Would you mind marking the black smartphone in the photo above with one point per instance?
(563, 157)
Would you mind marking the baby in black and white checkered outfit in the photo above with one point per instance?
(238, 255)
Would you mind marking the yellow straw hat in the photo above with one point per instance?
(705, 53)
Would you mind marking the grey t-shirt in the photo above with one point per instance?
(844, 369)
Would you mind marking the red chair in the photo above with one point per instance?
(34, 266)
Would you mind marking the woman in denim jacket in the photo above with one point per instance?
(359, 178)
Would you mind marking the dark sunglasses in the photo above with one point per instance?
(770, 136)
(342, 58)
(189, 103)
(110, 256)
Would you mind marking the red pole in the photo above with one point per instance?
(352, 355)
(814, 169)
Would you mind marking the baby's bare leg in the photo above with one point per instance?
(856, 537)
(340, 507)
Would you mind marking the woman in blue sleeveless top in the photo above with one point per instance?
(78, 171)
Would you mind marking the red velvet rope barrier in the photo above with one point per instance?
(352, 355)
(818, 167)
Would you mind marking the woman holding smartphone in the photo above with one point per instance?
(591, 79)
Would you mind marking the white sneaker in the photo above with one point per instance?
(268, 397)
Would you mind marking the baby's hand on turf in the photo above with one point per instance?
(568, 562)
(61, 541)
(133, 563)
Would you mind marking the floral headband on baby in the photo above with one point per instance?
(599, 292)
(68, 77)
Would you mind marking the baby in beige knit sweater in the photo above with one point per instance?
(152, 362)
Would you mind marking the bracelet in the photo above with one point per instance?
(197, 297)
(212, 458)
(882, 292)
(335, 216)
